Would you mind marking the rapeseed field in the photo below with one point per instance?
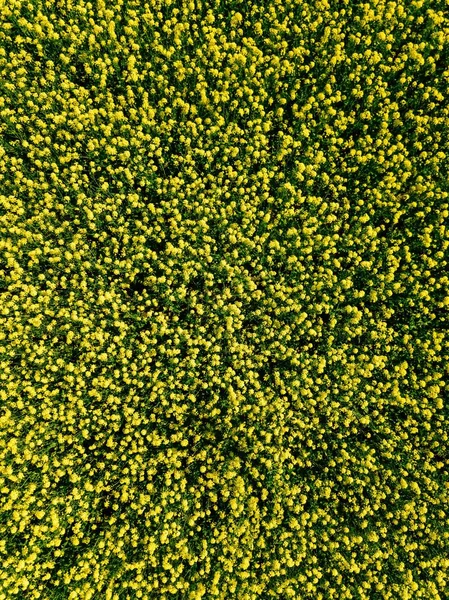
(224, 295)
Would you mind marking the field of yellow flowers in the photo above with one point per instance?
(224, 296)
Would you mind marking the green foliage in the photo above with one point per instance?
(224, 300)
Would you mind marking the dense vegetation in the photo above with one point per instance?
(224, 299)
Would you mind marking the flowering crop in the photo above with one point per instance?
(224, 293)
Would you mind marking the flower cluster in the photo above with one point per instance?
(224, 293)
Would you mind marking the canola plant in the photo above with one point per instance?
(224, 294)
